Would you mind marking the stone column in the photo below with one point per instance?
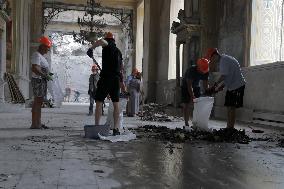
(21, 36)
(177, 91)
(35, 30)
(156, 48)
(2, 56)
(185, 63)
(178, 65)
(188, 8)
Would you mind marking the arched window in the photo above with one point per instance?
(266, 32)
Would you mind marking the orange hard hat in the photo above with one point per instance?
(211, 52)
(203, 65)
(45, 41)
(109, 35)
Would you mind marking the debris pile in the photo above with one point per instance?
(179, 135)
(229, 135)
(48, 104)
(155, 112)
(281, 143)
(37, 139)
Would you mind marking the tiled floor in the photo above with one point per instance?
(61, 157)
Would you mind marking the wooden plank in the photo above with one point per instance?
(15, 92)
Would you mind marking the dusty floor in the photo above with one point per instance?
(62, 158)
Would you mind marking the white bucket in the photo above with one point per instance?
(55, 91)
(201, 112)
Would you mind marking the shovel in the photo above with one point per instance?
(255, 130)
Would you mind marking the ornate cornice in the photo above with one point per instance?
(186, 28)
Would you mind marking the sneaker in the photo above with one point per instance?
(44, 126)
(187, 128)
(115, 132)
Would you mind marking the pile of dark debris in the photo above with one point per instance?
(179, 135)
(156, 112)
(281, 143)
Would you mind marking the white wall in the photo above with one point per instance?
(264, 91)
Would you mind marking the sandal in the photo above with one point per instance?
(35, 127)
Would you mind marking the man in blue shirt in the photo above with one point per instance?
(190, 88)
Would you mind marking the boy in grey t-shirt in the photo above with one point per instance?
(229, 67)
(231, 78)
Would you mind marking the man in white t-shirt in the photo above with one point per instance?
(231, 78)
(40, 76)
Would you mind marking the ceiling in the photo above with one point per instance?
(109, 3)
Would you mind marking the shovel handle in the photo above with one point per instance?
(94, 60)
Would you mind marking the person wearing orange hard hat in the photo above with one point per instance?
(93, 80)
(40, 75)
(109, 35)
(132, 75)
(128, 80)
(134, 88)
(190, 88)
(231, 78)
(110, 77)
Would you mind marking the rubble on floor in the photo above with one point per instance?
(156, 112)
(179, 135)
(281, 143)
(48, 104)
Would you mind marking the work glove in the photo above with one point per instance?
(210, 91)
(219, 89)
(49, 77)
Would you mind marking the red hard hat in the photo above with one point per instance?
(109, 35)
(210, 53)
(203, 65)
(45, 41)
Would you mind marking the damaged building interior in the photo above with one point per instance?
(157, 42)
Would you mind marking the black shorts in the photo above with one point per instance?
(108, 86)
(235, 97)
(185, 96)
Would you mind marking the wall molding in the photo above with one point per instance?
(270, 66)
